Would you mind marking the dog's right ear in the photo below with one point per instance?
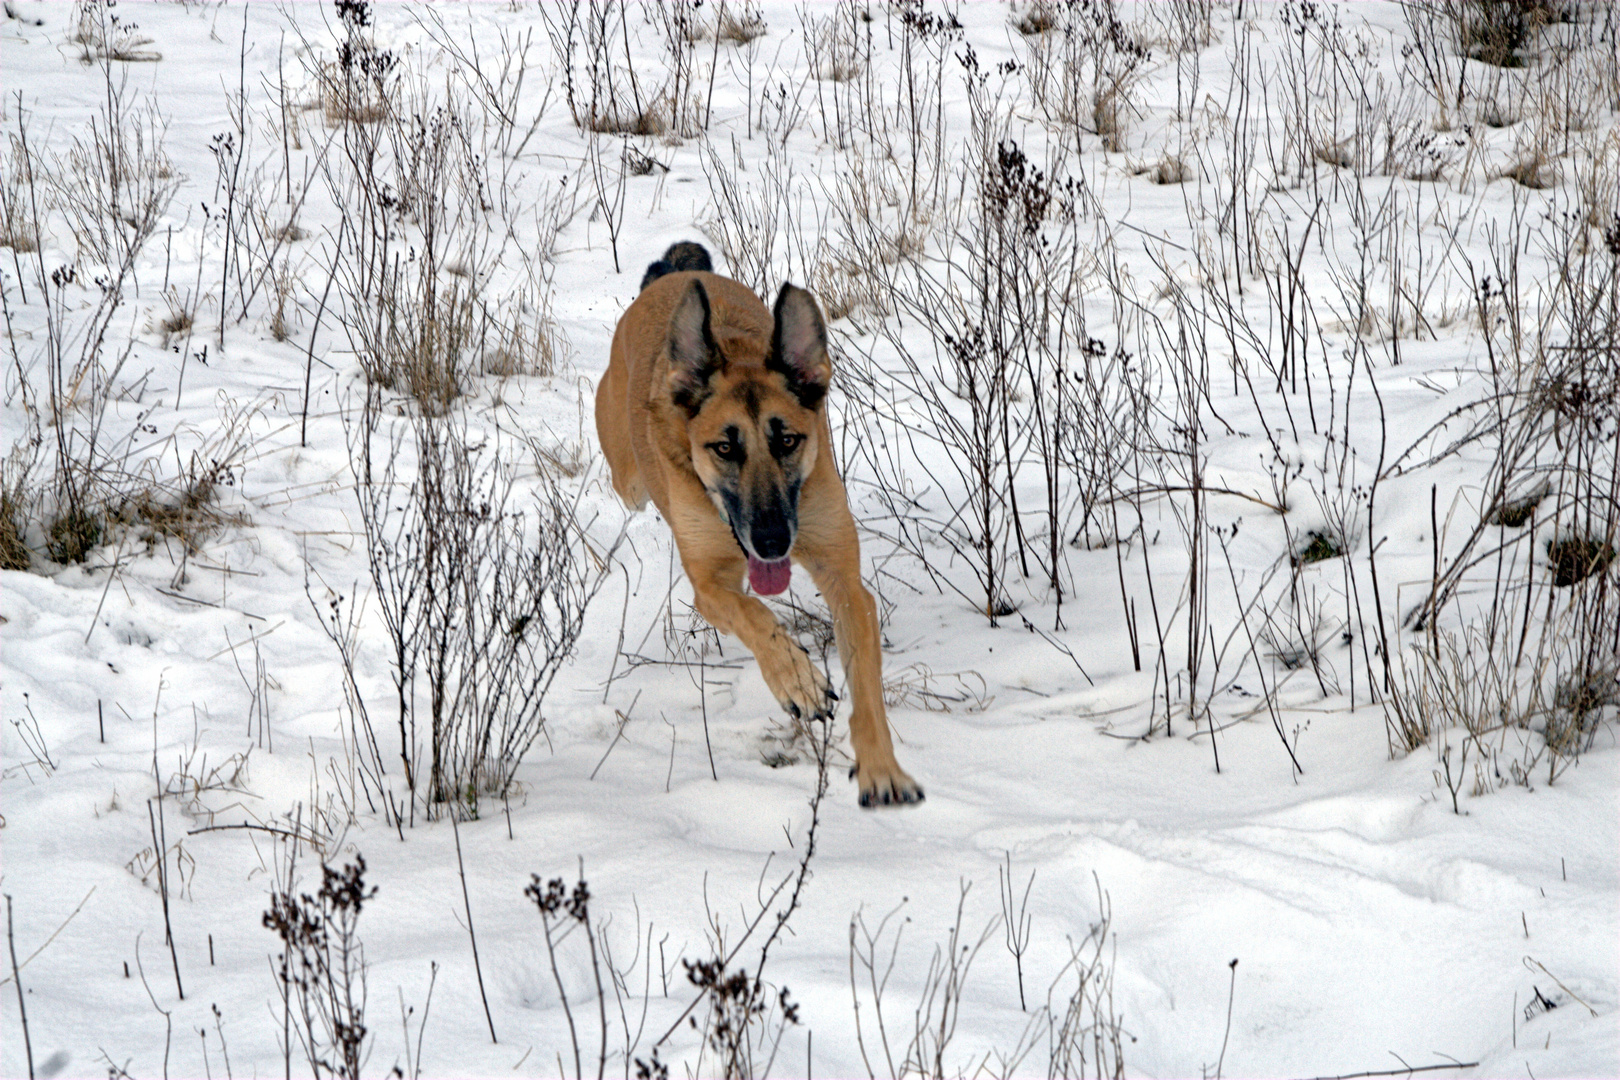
(693, 354)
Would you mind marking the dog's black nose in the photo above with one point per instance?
(771, 535)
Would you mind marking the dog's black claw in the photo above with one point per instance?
(866, 800)
(833, 694)
(794, 709)
(887, 799)
(852, 774)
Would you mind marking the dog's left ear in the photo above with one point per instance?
(799, 346)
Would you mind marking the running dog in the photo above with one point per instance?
(713, 407)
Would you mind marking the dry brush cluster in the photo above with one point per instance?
(1031, 382)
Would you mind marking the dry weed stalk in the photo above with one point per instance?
(322, 966)
(104, 35)
(417, 263)
(482, 603)
(112, 187)
(602, 86)
(1084, 65)
(1078, 1024)
(1541, 656)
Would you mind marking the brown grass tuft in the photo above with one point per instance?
(1576, 558)
(741, 28)
(73, 534)
(13, 551)
(1169, 169)
(1038, 18)
(651, 120)
(186, 511)
(1533, 172)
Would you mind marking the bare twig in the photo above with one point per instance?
(1528, 960)
(162, 851)
(798, 878)
(168, 1014)
(22, 1009)
(1231, 992)
(1400, 1072)
(309, 354)
(52, 938)
(466, 901)
(624, 719)
(1015, 924)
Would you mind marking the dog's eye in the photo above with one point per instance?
(786, 443)
(726, 450)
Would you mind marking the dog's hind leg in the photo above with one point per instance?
(613, 433)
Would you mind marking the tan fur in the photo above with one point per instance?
(657, 451)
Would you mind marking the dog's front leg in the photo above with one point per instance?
(797, 683)
(831, 553)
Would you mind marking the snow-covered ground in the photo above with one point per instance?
(1372, 926)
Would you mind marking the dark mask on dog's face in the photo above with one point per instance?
(754, 420)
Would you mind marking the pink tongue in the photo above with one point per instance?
(769, 578)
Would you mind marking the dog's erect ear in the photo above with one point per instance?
(693, 355)
(799, 346)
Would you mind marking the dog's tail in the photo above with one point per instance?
(686, 255)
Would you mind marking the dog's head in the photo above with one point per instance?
(753, 412)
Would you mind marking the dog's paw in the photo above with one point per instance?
(798, 684)
(885, 785)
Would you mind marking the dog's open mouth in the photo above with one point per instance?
(769, 578)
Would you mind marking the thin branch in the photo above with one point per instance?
(1400, 1072)
(22, 1010)
(478, 968)
(52, 938)
(160, 842)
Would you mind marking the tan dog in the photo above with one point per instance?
(714, 410)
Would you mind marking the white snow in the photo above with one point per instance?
(1372, 927)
